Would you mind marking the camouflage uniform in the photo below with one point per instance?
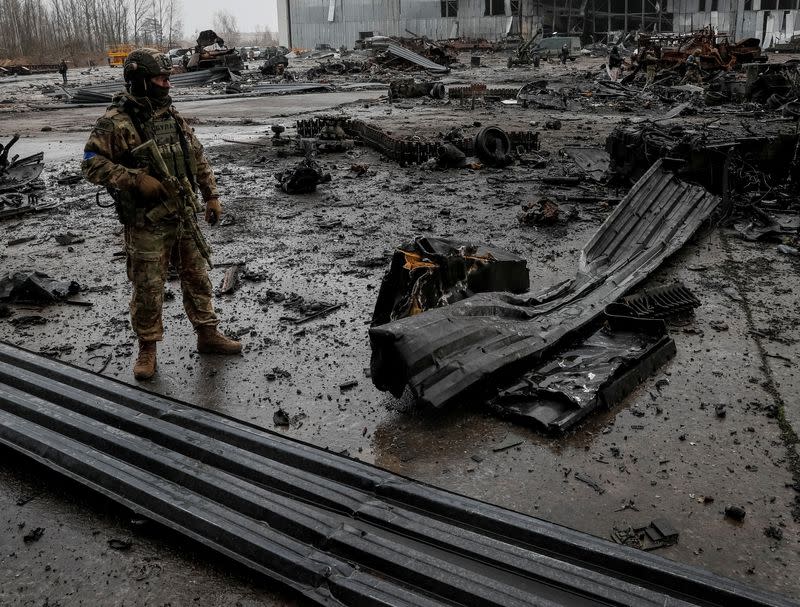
(650, 62)
(108, 161)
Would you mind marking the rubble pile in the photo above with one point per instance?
(19, 180)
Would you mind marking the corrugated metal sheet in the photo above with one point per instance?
(443, 354)
(766, 25)
(413, 57)
(392, 18)
(338, 531)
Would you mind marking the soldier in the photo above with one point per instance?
(152, 234)
(614, 63)
(62, 69)
(650, 62)
(564, 54)
(693, 69)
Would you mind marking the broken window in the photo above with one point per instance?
(785, 4)
(748, 5)
(714, 5)
(495, 7)
(449, 8)
(514, 7)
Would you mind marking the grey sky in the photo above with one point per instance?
(198, 15)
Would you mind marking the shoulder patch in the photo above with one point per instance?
(104, 125)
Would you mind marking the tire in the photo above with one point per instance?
(493, 146)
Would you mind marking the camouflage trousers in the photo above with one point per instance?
(651, 74)
(150, 249)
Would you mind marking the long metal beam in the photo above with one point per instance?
(338, 531)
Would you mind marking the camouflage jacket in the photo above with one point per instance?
(107, 159)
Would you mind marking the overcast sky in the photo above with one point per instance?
(198, 15)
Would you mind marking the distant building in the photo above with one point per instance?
(771, 21)
(308, 23)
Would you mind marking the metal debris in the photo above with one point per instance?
(433, 272)
(541, 212)
(417, 150)
(442, 353)
(658, 534)
(303, 178)
(35, 287)
(662, 302)
(415, 58)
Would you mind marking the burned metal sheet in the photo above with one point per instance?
(432, 272)
(35, 287)
(492, 337)
(597, 372)
(335, 530)
(412, 57)
(594, 162)
(17, 173)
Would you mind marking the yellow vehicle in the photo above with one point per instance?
(117, 54)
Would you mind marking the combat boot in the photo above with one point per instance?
(211, 341)
(145, 366)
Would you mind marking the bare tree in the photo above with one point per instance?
(174, 22)
(140, 10)
(226, 27)
(44, 31)
(266, 37)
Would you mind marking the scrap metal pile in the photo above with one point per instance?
(716, 51)
(210, 51)
(104, 93)
(19, 181)
(418, 51)
(551, 357)
(761, 164)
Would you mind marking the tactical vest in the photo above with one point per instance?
(174, 149)
(168, 139)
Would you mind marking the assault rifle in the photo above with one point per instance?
(180, 198)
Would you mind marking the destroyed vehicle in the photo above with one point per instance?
(176, 55)
(716, 52)
(792, 45)
(211, 51)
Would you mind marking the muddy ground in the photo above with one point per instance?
(663, 452)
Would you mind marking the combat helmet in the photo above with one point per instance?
(141, 65)
(146, 63)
